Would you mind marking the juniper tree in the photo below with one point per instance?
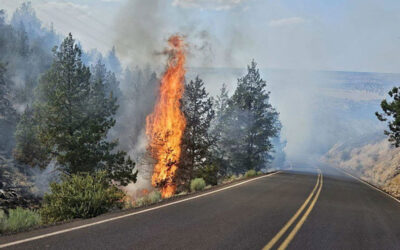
(74, 115)
(196, 142)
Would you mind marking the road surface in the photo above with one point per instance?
(310, 209)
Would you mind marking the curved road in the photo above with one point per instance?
(294, 210)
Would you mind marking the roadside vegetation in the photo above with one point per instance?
(250, 173)
(80, 196)
(197, 184)
(149, 199)
(18, 219)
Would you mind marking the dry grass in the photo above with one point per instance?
(18, 219)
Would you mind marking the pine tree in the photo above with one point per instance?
(6, 109)
(22, 43)
(75, 115)
(113, 62)
(140, 94)
(8, 115)
(24, 46)
(220, 133)
(111, 84)
(198, 111)
(28, 148)
(25, 16)
(391, 110)
(253, 123)
(221, 102)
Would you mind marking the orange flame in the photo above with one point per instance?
(165, 126)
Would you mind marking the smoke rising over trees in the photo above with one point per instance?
(139, 87)
(25, 53)
(74, 112)
(8, 115)
(258, 121)
(245, 125)
(229, 135)
(82, 111)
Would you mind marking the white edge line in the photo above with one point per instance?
(369, 185)
(130, 214)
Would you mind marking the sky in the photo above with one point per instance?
(352, 35)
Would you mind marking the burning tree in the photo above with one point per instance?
(166, 125)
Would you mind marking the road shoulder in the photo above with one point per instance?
(79, 224)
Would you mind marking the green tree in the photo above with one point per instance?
(220, 132)
(111, 84)
(7, 112)
(74, 115)
(28, 148)
(221, 102)
(113, 62)
(137, 102)
(25, 16)
(24, 48)
(252, 123)
(8, 115)
(391, 111)
(196, 142)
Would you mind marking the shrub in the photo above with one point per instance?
(128, 203)
(250, 173)
(3, 219)
(210, 174)
(182, 193)
(260, 173)
(154, 196)
(229, 178)
(80, 196)
(2, 216)
(197, 184)
(151, 198)
(18, 219)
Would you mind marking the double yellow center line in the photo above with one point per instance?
(300, 223)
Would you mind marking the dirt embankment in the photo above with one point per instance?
(376, 162)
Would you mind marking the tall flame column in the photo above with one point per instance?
(165, 126)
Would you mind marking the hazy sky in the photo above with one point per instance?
(350, 35)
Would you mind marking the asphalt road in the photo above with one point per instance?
(293, 210)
